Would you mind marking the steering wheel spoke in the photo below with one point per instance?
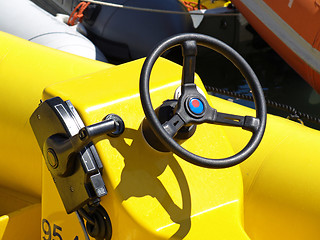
(173, 125)
(189, 52)
(246, 122)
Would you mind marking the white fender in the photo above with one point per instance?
(24, 19)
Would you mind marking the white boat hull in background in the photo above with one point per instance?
(24, 19)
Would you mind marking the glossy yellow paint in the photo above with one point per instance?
(18, 212)
(281, 189)
(155, 195)
(26, 69)
(152, 195)
(21, 224)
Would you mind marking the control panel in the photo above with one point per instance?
(70, 156)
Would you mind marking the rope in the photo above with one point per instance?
(191, 6)
(159, 10)
(294, 113)
(77, 13)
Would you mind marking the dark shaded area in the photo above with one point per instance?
(49, 6)
(279, 81)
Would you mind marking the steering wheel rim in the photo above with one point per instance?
(246, 72)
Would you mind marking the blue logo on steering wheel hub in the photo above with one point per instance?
(196, 106)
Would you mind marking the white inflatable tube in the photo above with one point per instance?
(24, 19)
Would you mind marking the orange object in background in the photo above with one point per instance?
(291, 28)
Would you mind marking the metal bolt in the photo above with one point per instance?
(71, 189)
(52, 158)
(38, 116)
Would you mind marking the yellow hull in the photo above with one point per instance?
(151, 195)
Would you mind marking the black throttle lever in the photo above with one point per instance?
(112, 125)
(60, 148)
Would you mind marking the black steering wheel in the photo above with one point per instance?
(193, 108)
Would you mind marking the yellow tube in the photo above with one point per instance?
(26, 69)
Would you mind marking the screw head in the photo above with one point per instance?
(52, 158)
